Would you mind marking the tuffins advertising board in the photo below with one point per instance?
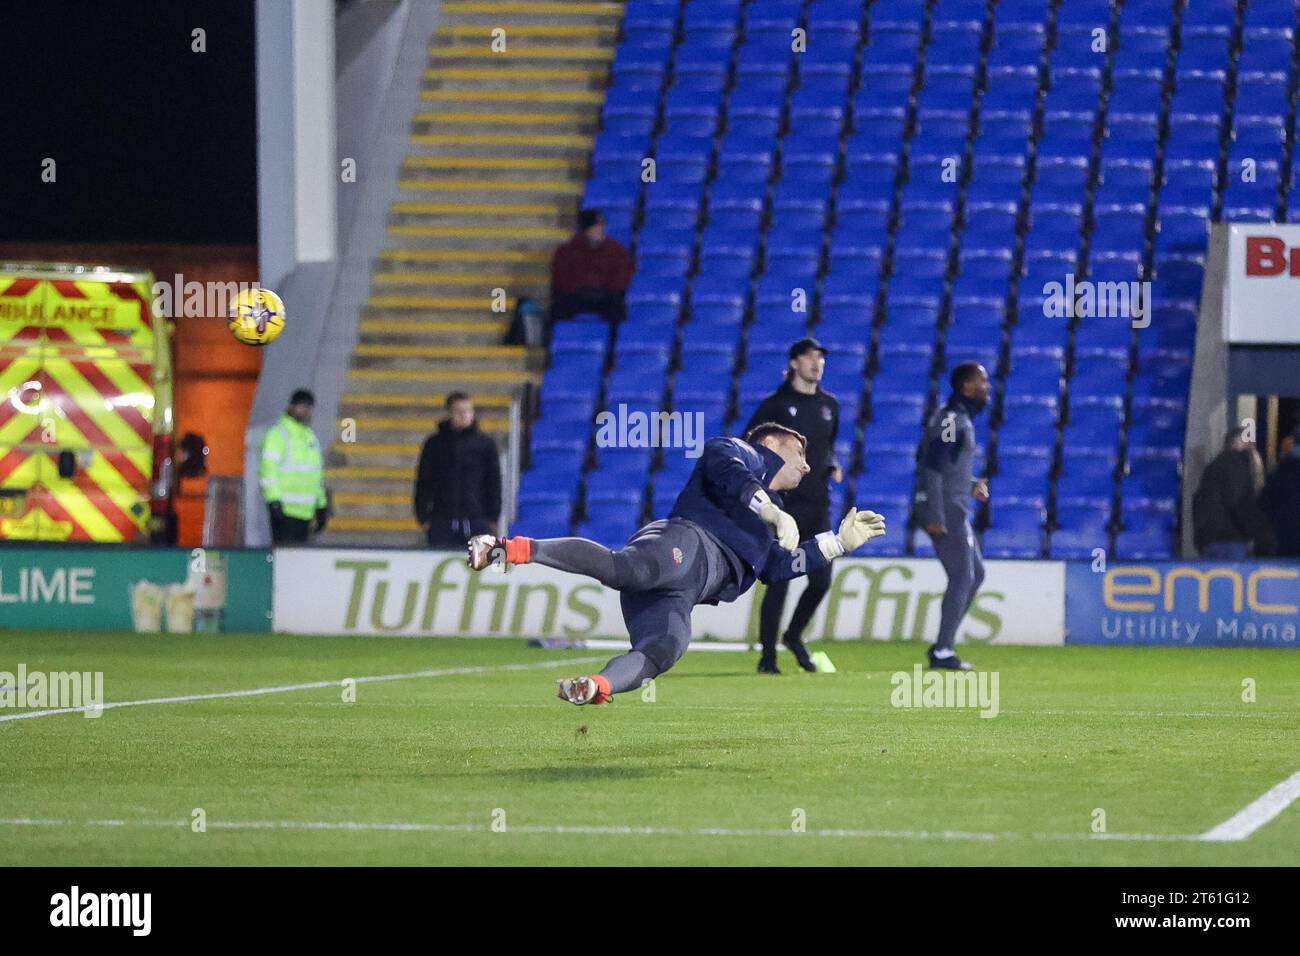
(433, 593)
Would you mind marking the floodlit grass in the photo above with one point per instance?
(721, 765)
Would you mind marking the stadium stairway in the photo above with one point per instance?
(510, 100)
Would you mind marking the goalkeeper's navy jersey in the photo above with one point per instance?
(716, 498)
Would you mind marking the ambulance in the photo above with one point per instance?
(86, 414)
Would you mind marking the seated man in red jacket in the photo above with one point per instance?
(590, 272)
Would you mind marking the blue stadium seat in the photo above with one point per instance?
(934, 262)
(1036, 373)
(972, 343)
(1015, 531)
(1024, 435)
(1146, 535)
(1080, 530)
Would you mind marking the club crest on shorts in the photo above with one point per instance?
(677, 555)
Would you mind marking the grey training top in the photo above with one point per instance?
(947, 463)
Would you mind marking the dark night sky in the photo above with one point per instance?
(154, 143)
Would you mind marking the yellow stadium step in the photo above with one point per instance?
(364, 448)
(464, 256)
(461, 359)
(369, 473)
(367, 425)
(545, 236)
(513, 141)
(371, 498)
(527, 94)
(540, 100)
(530, 96)
(442, 377)
(429, 332)
(535, 74)
(499, 8)
(415, 207)
(494, 401)
(432, 302)
(511, 119)
(486, 280)
(385, 454)
(521, 95)
(552, 186)
(516, 51)
(516, 77)
(344, 523)
(535, 31)
(482, 353)
(445, 326)
(385, 439)
(549, 163)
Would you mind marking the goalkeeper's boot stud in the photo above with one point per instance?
(950, 663)
(796, 647)
(767, 665)
(485, 550)
(584, 690)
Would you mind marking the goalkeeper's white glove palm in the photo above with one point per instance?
(785, 528)
(857, 528)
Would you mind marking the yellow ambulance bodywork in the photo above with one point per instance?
(86, 393)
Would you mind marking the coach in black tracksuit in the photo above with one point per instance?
(801, 404)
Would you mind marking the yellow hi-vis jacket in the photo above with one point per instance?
(291, 470)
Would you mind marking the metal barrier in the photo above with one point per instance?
(223, 512)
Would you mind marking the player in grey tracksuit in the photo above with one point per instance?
(947, 483)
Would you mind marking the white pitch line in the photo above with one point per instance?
(286, 688)
(608, 830)
(1257, 813)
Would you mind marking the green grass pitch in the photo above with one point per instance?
(719, 767)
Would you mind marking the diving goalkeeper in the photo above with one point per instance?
(726, 529)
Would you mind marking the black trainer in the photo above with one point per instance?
(950, 663)
(768, 666)
(796, 647)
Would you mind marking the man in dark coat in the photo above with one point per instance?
(1226, 518)
(458, 483)
(1281, 497)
